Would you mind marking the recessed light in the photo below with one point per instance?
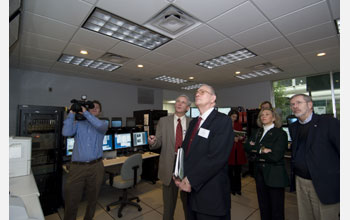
(84, 52)
(321, 54)
(237, 72)
(191, 77)
(140, 66)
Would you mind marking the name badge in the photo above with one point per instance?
(203, 132)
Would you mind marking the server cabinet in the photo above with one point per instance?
(44, 125)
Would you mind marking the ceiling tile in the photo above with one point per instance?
(136, 11)
(46, 26)
(91, 1)
(319, 45)
(335, 8)
(74, 10)
(42, 42)
(280, 54)
(155, 58)
(208, 9)
(222, 47)
(250, 62)
(304, 18)
(269, 46)
(196, 57)
(312, 34)
(39, 53)
(93, 39)
(128, 50)
(36, 61)
(201, 36)
(311, 57)
(295, 60)
(276, 8)
(248, 15)
(174, 48)
(74, 49)
(256, 35)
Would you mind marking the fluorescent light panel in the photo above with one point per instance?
(259, 73)
(170, 79)
(114, 26)
(227, 58)
(195, 86)
(94, 64)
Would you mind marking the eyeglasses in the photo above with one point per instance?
(296, 103)
(201, 92)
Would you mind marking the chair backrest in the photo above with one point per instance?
(127, 171)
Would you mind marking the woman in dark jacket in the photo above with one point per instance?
(237, 156)
(269, 144)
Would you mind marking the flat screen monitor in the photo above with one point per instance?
(224, 110)
(116, 122)
(122, 140)
(194, 112)
(69, 146)
(130, 122)
(139, 138)
(291, 119)
(107, 142)
(188, 113)
(106, 120)
(287, 131)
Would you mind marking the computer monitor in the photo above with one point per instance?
(139, 138)
(106, 120)
(224, 110)
(107, 142)
(287, 131)
(194, 112)
(291, 119)
(69, 146)
(116, 122)
(122, 140)
(130, 122)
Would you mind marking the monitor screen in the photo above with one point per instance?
(139, 138)
(116, 124)
(194, 112)
(287, 131)
(188, 113)
(224, 110)
(69, 146)
(292, 120)
(130, 122)
(122, 140)
(107, 142)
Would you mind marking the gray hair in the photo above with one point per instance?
(187, 98)
(210, 88)
(305, 97)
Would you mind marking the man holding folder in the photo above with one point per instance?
(169, 136)
(207, 146)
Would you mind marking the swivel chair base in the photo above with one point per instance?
(123, 201)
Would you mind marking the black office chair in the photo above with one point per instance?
(130, 175)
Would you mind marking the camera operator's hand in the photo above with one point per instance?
(83, 108)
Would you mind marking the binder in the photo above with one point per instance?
(179, 165)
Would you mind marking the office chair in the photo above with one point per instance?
(130, 175)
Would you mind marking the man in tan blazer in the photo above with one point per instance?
(165, 138)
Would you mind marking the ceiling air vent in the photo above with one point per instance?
(172, 22)
(114, 58)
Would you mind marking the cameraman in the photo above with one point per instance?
(86, 168)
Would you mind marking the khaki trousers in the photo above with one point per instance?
(170, 199)
(80, 176)
(309, 205)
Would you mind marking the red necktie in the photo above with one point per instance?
(193, 133)
(178, 135)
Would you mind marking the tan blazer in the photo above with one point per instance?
(165, 135)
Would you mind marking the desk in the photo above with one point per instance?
(25, 187)
(121, 160)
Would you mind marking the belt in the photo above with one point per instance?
(87, 163)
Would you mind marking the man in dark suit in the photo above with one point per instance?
(315, 161)
(166, 138)
(207, 146)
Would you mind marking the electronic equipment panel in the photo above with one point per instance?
(116, 122)
(130, 122)
(224, 110)
(122, 140)
(140, 138)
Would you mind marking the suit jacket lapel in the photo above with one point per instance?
(171, 130)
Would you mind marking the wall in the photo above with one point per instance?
(248, 96)
(32, 88)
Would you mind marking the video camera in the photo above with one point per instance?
(76, 107)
